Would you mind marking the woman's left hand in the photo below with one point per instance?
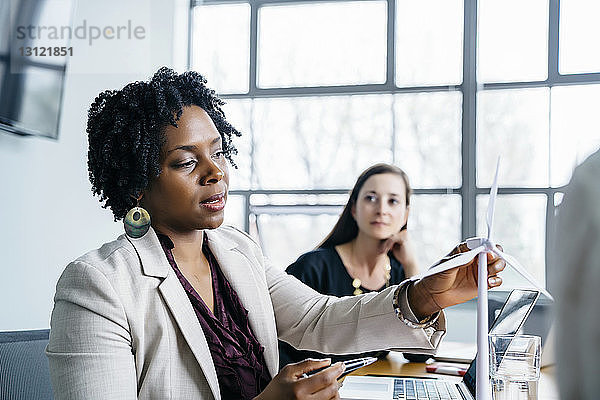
(454, 286)
(402, 247)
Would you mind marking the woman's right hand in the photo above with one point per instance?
(289, 383)
(401, 245)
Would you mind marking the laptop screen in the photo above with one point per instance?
(513, 314)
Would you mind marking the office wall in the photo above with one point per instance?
(47, 213)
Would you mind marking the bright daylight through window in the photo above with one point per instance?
(322, 90)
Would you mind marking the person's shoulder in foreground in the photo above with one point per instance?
(588, 173)
(575, 266)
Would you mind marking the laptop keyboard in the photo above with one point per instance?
(431, 389)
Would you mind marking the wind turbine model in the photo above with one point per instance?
(479, 247)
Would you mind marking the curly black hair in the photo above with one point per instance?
(126, 132)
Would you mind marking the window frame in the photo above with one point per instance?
(469, 88)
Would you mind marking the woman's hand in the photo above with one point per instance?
(454, 286)
(402, 247)
(289, 383)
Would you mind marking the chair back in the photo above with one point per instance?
(24, 371)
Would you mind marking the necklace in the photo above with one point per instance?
(357, 282)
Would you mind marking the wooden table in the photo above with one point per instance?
(396, 365)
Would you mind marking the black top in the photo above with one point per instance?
(323, 270)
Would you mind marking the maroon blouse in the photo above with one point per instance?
(237, 355)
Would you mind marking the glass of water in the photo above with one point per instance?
(514, 366)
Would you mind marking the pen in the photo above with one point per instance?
(446, 369)
(351, 365)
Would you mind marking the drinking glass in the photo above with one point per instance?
(514, 366)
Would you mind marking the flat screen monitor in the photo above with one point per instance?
(33, 65)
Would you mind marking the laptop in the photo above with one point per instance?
(510, 319)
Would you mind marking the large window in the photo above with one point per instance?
(441, 88)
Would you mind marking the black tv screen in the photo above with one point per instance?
(33, 65)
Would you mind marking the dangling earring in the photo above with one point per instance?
(137, 221)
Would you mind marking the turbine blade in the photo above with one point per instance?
(456, 261)
(492, 202)
(522, 271)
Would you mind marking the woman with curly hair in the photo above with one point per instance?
(182, 307)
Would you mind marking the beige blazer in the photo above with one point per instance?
(123, 328)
